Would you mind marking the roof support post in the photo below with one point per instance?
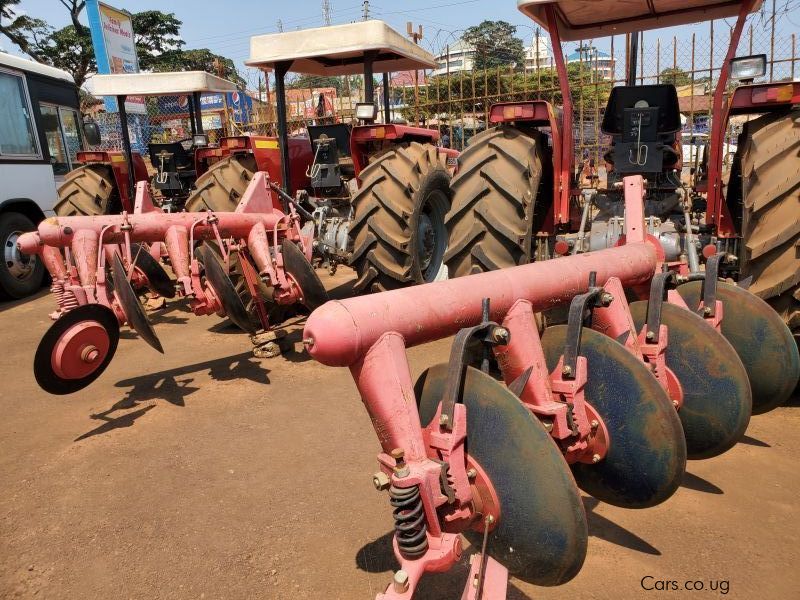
(369, 83)
(126, 148)
(387, 111)
(281, 68)
(198, 112)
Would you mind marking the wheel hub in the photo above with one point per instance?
(427, 240)
(19, 265)
(80, 350)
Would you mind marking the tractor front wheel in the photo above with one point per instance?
(398, 229)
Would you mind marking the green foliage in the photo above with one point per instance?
(158, 43)
(472, 93)
(675, 76)
(495, 44)
(305, 81)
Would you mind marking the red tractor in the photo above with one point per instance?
(518, 198)
(377, 193)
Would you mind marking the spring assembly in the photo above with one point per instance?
(57, 289)
(68, 300)
(409, 520)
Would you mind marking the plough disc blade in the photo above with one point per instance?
(157, 277)
(225, 290)
(134, 313)
(761, 339)
(76, 349)
(541, 535)
(314, 294)
(646, 459)
(716, 392)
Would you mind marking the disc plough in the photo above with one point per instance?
(501, 437)
(97, 264)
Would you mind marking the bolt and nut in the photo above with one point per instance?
(650, 336)
(595, 458)
(606, 299)
(566, 371)
(400, 581)
(501, 335)
(472, 473)
(381, 481)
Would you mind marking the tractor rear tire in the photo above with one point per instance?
(87, 191)
(493, 219)
(398, 230)
(769, 203)
(221, 187)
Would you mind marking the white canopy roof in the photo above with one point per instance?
(339, 50)
(159, 84)
(586, 19)
(23, 64)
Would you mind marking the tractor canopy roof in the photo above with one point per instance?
(159, 84)
(587, 19)
(339, 50)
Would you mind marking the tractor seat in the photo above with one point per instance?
(173, 156)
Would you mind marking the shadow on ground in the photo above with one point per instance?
(173, 386)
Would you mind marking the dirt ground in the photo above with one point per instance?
(206, 473)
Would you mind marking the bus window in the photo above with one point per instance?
(72, 131)
(17, 136)
(51, 126)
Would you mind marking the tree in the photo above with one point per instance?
(675, 76)
(495, 44)
(305, 81)
(157, 39)
(156, 33)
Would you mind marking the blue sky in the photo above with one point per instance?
(226, 26)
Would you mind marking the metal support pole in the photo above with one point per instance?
(192, 122)
(198, 112)
(369, 83)
(387, 111)
(126, 148)
(281, 69)
(633, 55)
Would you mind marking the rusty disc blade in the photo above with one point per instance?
(646, 458)
(225, 290)
(761, 339)
(314, 294)
(43, 363)
(716, 392)
(541, 534)
(134, 313)
(157, 277)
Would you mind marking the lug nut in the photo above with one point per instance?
(381, 481)
(400, 581)
(595, 458)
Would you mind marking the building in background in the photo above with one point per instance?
(598, 61)
(538, 54)
(455, 58)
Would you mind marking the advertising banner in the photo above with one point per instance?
(114, 47)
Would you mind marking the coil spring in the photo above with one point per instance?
(57, 289)
(68, 301)
(409, 520)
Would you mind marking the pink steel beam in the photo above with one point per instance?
(340, 332)
(148, 227)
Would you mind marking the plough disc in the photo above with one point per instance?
(716, 392)
(314, 294)
(157, 277)
(761, 339)
(541, 534)
(646, 458)
(225, 290)
(134, 313)
(76, 349)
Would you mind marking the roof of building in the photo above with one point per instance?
(588, 55)
(24, 64)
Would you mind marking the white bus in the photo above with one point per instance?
(40, 133)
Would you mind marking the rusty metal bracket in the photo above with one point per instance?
(488, 334)
(659, 286)
(580, 315)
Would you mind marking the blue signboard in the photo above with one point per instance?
(239, 103)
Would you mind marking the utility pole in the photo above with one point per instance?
(326, 12)
(415, 36)
(280, 26)
(365, 14)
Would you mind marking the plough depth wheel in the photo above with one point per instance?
(761, 339)
(541, 533)
(716, 392)
(646, 457)
(76, 349)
